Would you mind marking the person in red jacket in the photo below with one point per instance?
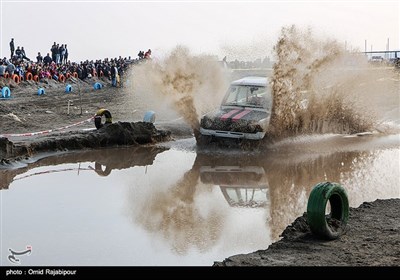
(147, 55)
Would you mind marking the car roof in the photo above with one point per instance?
(251, 81)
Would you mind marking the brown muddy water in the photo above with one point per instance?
(179, 204)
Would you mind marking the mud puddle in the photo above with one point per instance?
(179, 205)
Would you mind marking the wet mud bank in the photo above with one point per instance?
(110, 135)
(105, 160)
(372, 239)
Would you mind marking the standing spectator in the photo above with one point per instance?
(53, 52)
(120, 74)
(62, 53)
(114, 73)
(106, 70)
(12, 47)
(58, 54)
(47, 59)
(39, 58)
(66, 54)
(141, 54)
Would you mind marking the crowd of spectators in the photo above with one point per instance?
(57, 66)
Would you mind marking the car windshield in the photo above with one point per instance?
(248, 96)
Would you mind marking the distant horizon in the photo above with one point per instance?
(270, 56)
(243, 30)
(369, 53)
(135, 56)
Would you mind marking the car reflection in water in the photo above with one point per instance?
(242, 186)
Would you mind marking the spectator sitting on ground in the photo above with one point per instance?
(23, 54)
(39, 58)
(18, 52)
(2, 69)
(19, 70)
(46, 68)
(47, 59)
(10, 68)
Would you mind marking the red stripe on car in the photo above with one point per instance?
(226, 116)
(241, 115)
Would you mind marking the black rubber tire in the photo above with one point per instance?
(98, 117)
(332, 226)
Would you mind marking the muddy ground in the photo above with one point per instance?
(373, 238)
(26, 111)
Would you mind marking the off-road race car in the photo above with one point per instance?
(244, 112)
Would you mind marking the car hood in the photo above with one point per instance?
(234, 119)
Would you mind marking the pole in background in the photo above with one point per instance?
(80, 95)
(387, 48)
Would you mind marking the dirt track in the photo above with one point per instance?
(26, 112)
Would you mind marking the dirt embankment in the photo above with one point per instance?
(373, 239)
(110, 135)
(27, 112)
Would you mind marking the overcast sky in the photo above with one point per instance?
(238, 29)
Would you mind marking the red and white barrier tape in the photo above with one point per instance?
(45, 131)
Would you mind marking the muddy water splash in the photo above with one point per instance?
(190, 85)
(317, 87)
